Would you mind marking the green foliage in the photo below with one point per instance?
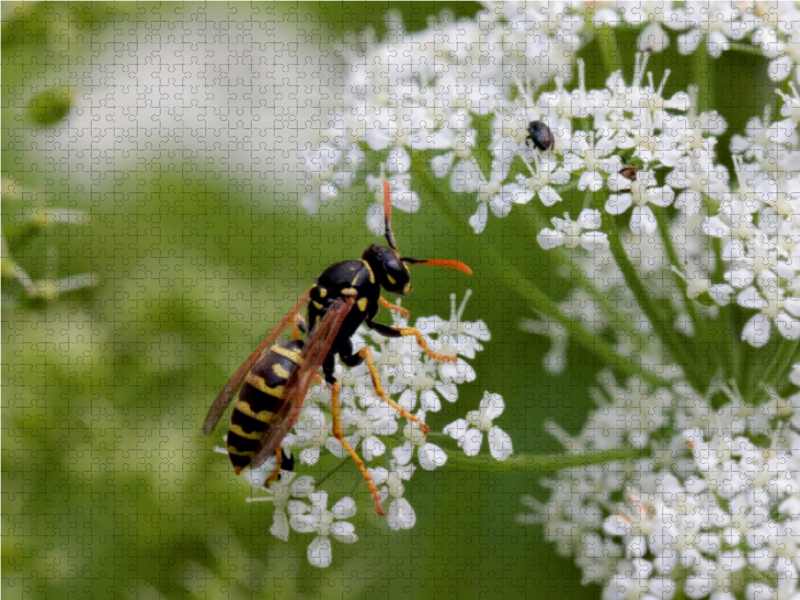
(109, 488)
(50, 106)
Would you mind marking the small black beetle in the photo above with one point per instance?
(541, 136)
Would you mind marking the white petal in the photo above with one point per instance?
(549, 196)
(756, 331)
(280, 526)
(616, 525)
(549, 239)
(404, 453)
(344, 532)
(309, 456)
(431, 456)
(319, 552)
(344, 508)
(401, 515)
(594, 241)
(471, 442)
(792, 306)
(479, 219)
(492, 405)
(457, 429)
(618, 203)
(663, 196)
(499, 444)
(788, 327)
(441, 164)
(590, 218)
(429, 400)
(373, 447)
(590, 179)
(643, 221)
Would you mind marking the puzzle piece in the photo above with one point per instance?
(607, 407)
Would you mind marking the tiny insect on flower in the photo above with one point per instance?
(541, 136)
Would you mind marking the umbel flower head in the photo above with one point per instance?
(392, 450)
(664, 252)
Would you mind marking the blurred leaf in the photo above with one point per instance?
(50, 106)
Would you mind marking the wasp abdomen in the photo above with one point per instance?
(260, 399)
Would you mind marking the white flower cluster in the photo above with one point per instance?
(425, 91)
(713, 511)
(757, 221)
(770, 25)
(392, 451)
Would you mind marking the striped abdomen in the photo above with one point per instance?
(260, 402)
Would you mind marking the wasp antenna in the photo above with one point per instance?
(387, 214)
(438, 262)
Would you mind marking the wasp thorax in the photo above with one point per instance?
(390, 271)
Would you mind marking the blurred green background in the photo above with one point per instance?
(109, 488)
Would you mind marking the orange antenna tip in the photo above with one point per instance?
(438, 262)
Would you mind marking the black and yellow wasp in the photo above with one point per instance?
(276, 377)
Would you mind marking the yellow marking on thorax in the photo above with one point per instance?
(407, 289)
(362, 304)
(349, 292)
(317, 305)
(280, 372)
(292, 355)
(322, 292)
(264, 416)
(255, 435)
(371, 274)
(258, 382)
(391, 279)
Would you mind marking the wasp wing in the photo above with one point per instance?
(315, 351)
(234, 383)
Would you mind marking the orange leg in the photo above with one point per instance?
(405, 331)
(299, 327)
(338, 434)
(366, 354)
(388, 305)
(276, 473)
(395, 332)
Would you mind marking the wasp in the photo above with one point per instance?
(541, 136)
(276, 378)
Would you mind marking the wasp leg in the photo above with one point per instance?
(338, 434)
(299, 327)
(277, 472)
(366, 354)
(393, 332)
(388, 305)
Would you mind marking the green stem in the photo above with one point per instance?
(700, 329)
(609, 50)
(580, 279)
(790, 357)
(516, 281)
(702, 76)
(543, 463)
(659, 313)
(341, 463)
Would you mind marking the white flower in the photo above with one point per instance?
(643, 192)
(279, 493)
(400, 514)
(430, 456)
(310, 433)
(469, 432)
(573, 234)
(318, 519)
